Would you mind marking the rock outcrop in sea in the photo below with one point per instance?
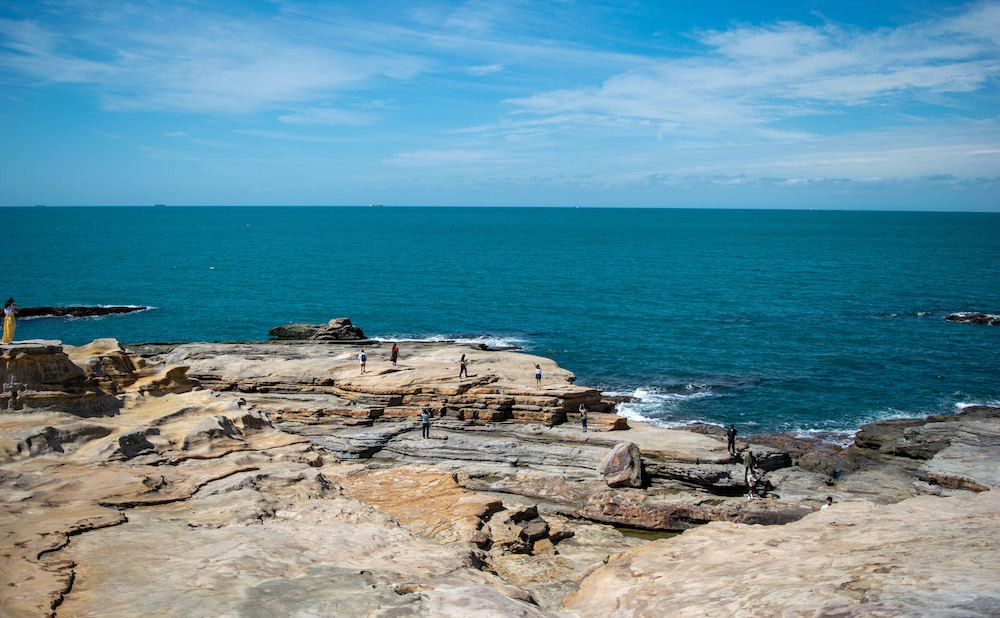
(974, 317)
(78, 311)
(274, 478)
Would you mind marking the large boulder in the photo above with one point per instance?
(622, 467)
(337, 329)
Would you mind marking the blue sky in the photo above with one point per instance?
(809, 104)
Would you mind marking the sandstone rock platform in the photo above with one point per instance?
(274, 478)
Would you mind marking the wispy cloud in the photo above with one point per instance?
(290, 136)
(762, 74)
(485, 69)
(328, 116)
(191, 61)
(458, 156)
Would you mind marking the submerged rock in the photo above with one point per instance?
(974, 317)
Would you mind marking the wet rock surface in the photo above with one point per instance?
(974, 317)
(78, 311)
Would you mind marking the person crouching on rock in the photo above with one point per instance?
(425, 424)
(9, 321)
(362, 360)
(583, 416)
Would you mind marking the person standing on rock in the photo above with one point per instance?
(463, 367)
(425, 424)
(362, 360)
(538, 376)
(731, 439)
(749, 461)
(9, 322)
(583, 417)
(394, 354)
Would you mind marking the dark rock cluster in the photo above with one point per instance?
(974, 317)
(337, 329)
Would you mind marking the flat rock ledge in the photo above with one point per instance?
(268, 478)
(78, 311)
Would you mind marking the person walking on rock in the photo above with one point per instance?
(9, 321)
(731, 439)
(538, 376)
(394, 354)
(583, 416)
(362, 360)
(463, 367)
(425, 424)
(749, 461)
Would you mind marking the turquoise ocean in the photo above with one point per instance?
(801, 321)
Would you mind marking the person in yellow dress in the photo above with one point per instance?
(9, 322)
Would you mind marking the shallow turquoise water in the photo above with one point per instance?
(774, 320)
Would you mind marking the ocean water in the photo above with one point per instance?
(804, 321)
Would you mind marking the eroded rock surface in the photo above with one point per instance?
(337, 329)
(923, 556)
(274, 478)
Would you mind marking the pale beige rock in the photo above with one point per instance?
(622, 466)
(922, 556)
(426, 501)
(172, 500)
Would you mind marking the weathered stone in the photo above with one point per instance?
(337, 329)
(77, 311)
(622, 467)
(228, 514)
(974, 317)
(854, 559)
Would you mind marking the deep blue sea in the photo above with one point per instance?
(811, 321)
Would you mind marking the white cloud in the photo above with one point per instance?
(327, 116)
(196, 62)
(458, 156)
(751, 76)
(485, 69)
(289, 136)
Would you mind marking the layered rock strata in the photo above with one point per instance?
(275, 478)
(337, 329)
(185, 501)
(925, 556)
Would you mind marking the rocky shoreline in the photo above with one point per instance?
(274, 477)
(77, 311)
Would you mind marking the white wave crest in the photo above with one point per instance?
(992, 403)
(492, 341)
(657, 407)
